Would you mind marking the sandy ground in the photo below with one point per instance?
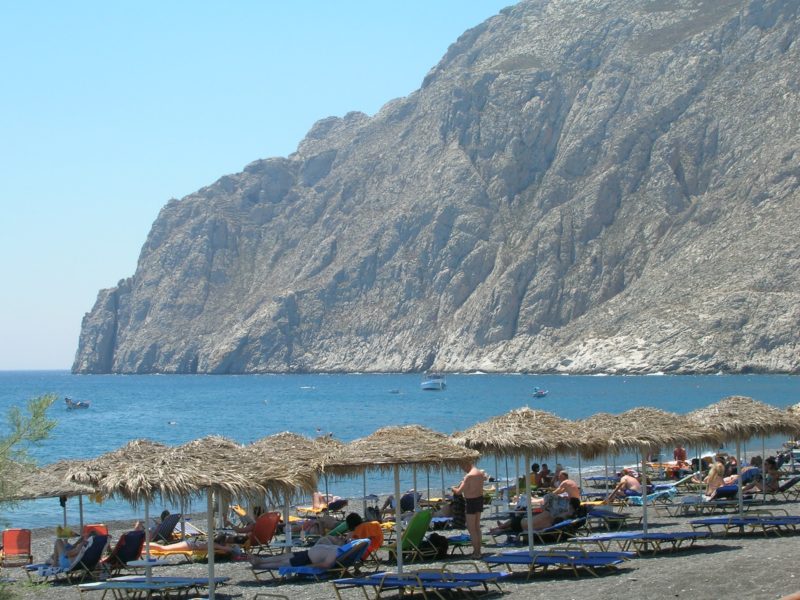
(736, 566)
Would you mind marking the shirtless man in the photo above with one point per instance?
(322, 556)
(628, 486)
(567, 486)
(471, 487)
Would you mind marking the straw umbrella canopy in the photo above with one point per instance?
(739, 418)
(641, 430)
(306, 455)
(32, 483)
(522, 430)
(390, 448)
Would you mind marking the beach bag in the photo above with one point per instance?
(440, 544)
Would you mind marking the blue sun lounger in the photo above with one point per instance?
(405, 582)
(348, 556)
(573, 560)
(641, 542)
(137, 585)
(764, 524)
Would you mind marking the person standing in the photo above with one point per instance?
(471, 487)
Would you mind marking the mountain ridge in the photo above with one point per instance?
(576, 187)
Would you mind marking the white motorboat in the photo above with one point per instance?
(433, 381)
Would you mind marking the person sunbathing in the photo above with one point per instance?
(193, 547)
(628, 486)
(65, 553)
(566, 486)
(319, 555)
(771, 479)
(713, 480)
(554, 510)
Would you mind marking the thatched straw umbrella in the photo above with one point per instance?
(522, 430)
(740, 418)
(390, 448)
(305, 454)
(50, 481)
(643, 430)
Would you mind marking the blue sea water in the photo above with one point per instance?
(177, 408)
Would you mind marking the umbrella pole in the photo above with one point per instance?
(529, 512)
(508, 482)
(414, 494)
(739, 479)
(398, 530)
(148, 570)
(763, 468)
(516, 460)
(443, 492)
(644, 493)
(364, 497)
(580, 478)
(428, 482)
(210, 543)
(80, 509)
(605, 472)
(287, 526)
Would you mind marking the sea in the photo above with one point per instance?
(174, 409)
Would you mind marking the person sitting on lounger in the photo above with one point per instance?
(566, 486)
(713, 480)
(65, 553)
(770, 482)
(628, 486)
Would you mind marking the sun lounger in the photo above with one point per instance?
(166, 528)
(405, 582)
(135, 585)
(128, 548)
(550, 535)
(765, 524)
(641, 542)
(348, 557)
(602, 518)
(83, 566)
(572, 560)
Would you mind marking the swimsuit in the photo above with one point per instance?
(474, 505)
(300, 559)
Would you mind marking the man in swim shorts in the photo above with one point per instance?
(319, 555)
(471, 487)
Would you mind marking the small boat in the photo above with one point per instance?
(539, 392)
(73, 404)
(433, 381)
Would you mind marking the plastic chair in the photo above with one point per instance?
(16, 549)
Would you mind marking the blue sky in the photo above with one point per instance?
(109, 109)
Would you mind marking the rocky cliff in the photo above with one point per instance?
(578, 186)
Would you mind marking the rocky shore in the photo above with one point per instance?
(736, 566)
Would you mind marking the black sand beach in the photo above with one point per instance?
(736, 566)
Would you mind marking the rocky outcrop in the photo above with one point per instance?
(578, 186)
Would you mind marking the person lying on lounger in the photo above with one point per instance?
(322, 556)
(192, 546)
(554, 510)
